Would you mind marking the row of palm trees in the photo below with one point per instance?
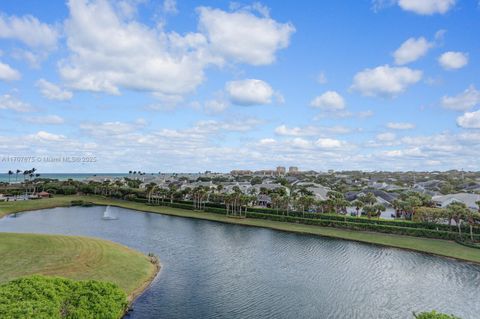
(237, 203)
(27, 173)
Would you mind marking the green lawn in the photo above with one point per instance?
(25, 205)
(426, 245)
(75, 258)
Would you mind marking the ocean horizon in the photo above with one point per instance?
(60, 176)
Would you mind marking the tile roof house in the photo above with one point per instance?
(466, 198)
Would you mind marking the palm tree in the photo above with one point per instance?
(458, 212)
(357, 204)
(369, 210)
(25, 173)
(16, 174)
(472, 218)
(10, 173)
(379, 208)
(150, 187)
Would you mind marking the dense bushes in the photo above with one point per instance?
(46, 297)
(76, 202)
(434, 315)
(409, 231)
(81, 203)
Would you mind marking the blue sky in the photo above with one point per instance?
(217, 85)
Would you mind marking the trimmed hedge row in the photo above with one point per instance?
(339, 222)
(409, 231)
(211, 207)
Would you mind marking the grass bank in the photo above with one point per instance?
(432, 246)
(74, 257)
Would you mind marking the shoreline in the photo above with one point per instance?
(435, 247)
(78, 258)
(145, 285)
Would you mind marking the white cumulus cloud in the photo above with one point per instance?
(108, 52)
(463, 101)
(249, 92)
(329, 101)
(47, 137)
(385, 80)
(469, 120)
(411, 50)
(9, 102)
(52, 91)
(7, 73)
(244, 36)
(453, 60)
(426, 7)
(329, 143)
(29, 30)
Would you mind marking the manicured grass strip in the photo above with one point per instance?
(26, 205)
(433, 246)
(73, 257)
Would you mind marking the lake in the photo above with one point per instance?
(214, 270)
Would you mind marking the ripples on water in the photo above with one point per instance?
(213, 270)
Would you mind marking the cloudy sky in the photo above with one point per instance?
(217, 85)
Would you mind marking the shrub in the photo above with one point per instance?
(76, 202)
(48, 297)
(434, 315)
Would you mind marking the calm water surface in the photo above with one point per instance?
(213, 270)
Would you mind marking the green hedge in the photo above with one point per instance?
(434, 315)
(47, 297)
(398, 227)
(211, 207)
(408, 231)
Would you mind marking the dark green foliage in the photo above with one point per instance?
(382, 228)
(48, 297)
(419, 228)
(434, 315)
(76, 202)
(67, 190)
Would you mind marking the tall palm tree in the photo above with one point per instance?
(150, 188)
(472, 218)
(16, 174)
(25, 174)
(379, 208)
(358, 204)
(458, 212)
(10, 173)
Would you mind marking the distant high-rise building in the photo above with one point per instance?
(281, 170)
(293, 170)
